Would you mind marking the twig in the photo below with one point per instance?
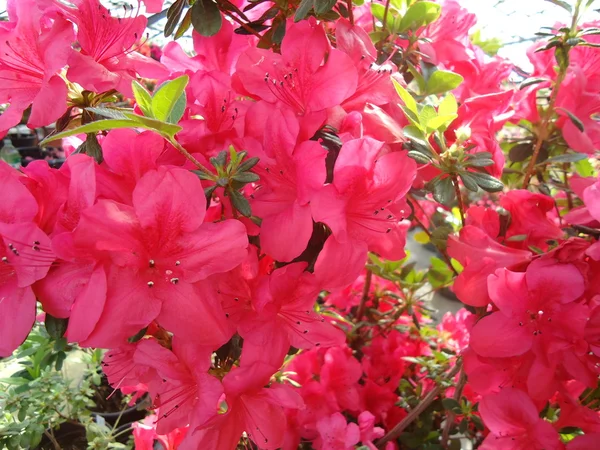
(189, 157)
(462, 381)
(459, 199)
(244, 25)
(428, 233)
(395, 432)
(385, 14)
(365, 296)
(350, 13)
(52, 439)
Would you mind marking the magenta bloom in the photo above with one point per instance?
(34, 49)
(515, 424)
(536, 311)
(108, 58)
(155, 251)
(25, 257)
(308, 77)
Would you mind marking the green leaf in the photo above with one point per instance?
(303, 9)
(206, 17)
(173, 16)
(584, 168)
(324, 6)
(164, 128)
(566, 158)
(413, 133)
(530, 82)
(178, 109)
(441, 122)
(167, 96)
(469, 182)
(419, 157)
(408, 99)
(419, 14)
(240, 203)
(487, 182)
(55, 327)
(378, 12)
(142, 98)
(448, 106)
(186, 23)
(578, 123)
(450, 404)
(443, 81)
(562, 4)
(248, 164)
(443, 190)
(246, 177)
(520, 152)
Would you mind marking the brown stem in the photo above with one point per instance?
(189, 157)
(385, 14)
(350, 13)
(52, 439)
(462, 381)
(459, 199)
(395, 432)
(428, 233)
(365, 296)
(244, 25)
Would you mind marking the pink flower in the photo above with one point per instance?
(156, 251)
(514, 423)
(107, 58)
(144, 435)
(181, 389)
(536, 311)
(336, 434)
(480, 256)
(308, 77)
(291, 175)
(364, 205)
(251, 408)
(25, 257)
(368, 430)
(283, 315)
(34, 49)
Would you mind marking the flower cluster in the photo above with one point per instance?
(237, 240)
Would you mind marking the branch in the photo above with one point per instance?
(365, 296)
(459, 199)
(350, 13)
(462, 381)
(395, 432)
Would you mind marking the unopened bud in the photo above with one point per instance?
(463, 133)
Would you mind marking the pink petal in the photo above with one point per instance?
(591, 198)
(508, 290)
(333, 82)
(329, 207)
(49, 104)
(309, 158)
(18, 204)
(553, 281)
(168, 199)
(132, 154)
(17, 315)
(510, 411)
(305, 45)
(285, 235)
(87, 307)
(498, 336)
(338, 265)
(264, 422)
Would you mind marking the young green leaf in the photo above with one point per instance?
(443, 81)
(166, 97)
(408, 99)
(419, 14)
(448, 106)
(142, 98)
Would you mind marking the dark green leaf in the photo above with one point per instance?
(439, 236)
(303, 9)
(254, 26)
(246, 177)
(279, 27)
(520, 152)
(137, 336)
(443, 190)
(578, 123)
(173, 16)
(487, 182)
(469, 182)
(60, 359)
(450, 404)
(55, 327)
(481, 162)
(566, 158)
(419, 157)
(206, 17)
(204, 176)
(248, 164)
(208, 192)
(186, 23)
(91, 147)
(531, 81)
(562, 4)
(239, 202)
(323, 6)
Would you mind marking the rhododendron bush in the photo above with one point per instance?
(231, 226)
